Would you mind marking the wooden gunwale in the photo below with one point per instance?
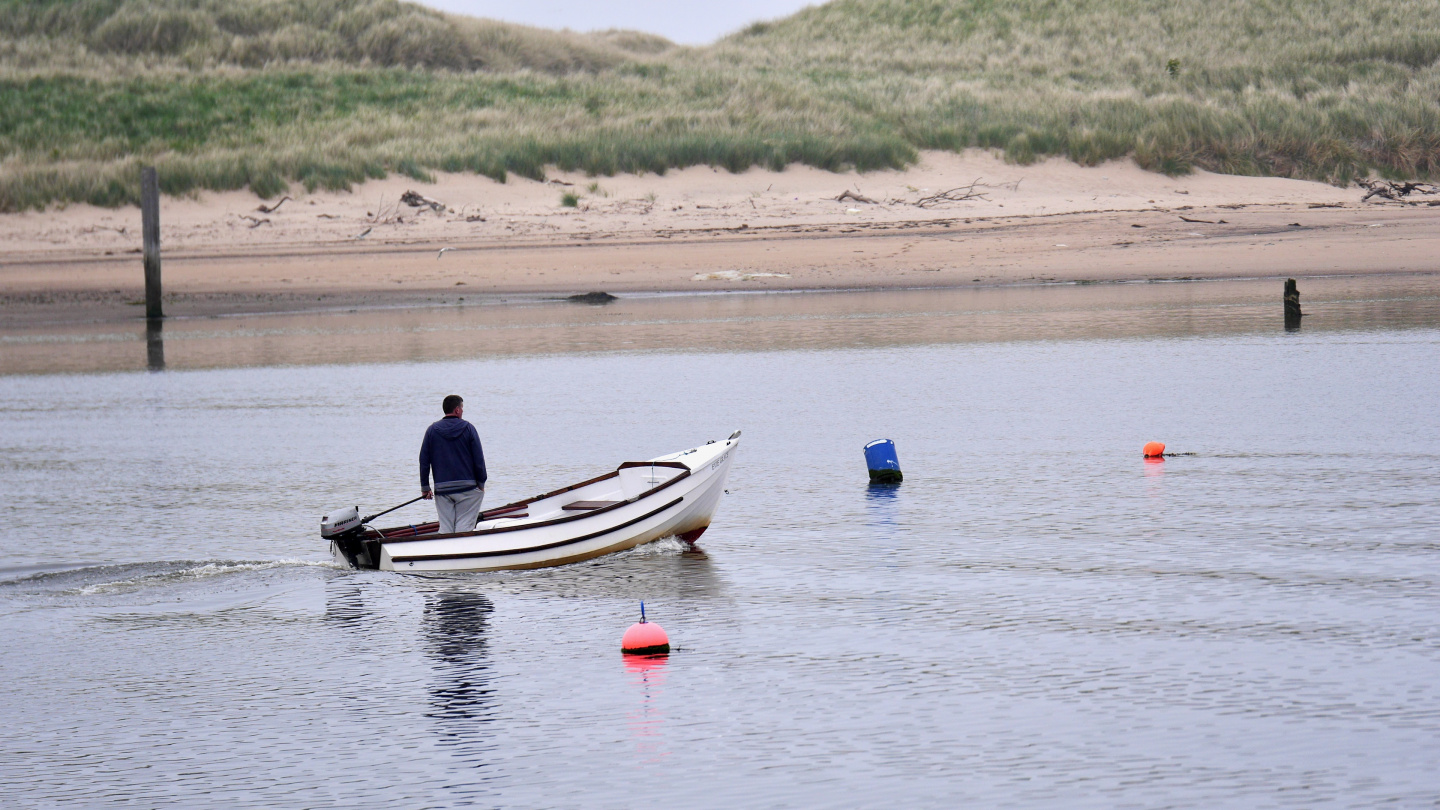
(415, 528)
(596, 480)
(425, 538)
(556, 544)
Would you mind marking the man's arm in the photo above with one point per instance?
(425, 468)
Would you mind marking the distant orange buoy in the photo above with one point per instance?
(1154, 449)
(645, 638)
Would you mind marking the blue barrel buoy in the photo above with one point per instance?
(884, 464)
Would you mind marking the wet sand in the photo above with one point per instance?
(702, 230)
(734, 322)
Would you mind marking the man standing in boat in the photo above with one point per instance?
(452, 449)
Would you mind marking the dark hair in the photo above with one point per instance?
(451, 403)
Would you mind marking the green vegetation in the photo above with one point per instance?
(326, 93)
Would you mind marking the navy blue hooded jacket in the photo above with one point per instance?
(452, 448)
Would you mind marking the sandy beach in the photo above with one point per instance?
(704, 229)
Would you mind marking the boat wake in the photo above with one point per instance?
(88, 580)
(665, 545)
(79, 579)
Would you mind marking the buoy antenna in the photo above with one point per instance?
(645, 638)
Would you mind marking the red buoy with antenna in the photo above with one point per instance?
(645, 638)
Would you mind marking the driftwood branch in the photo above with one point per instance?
(264, 209)
(255, 222)
(958, 194)
(415, 200)
(1391, 190)
(857, 197)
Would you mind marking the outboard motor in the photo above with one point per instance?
(343, 528)
(339, 522)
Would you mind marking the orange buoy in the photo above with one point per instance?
(645, 638)
(1154, 449)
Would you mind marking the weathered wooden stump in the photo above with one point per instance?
(1292, 305)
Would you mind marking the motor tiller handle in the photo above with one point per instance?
(391, 509)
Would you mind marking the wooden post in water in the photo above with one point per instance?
(1292, 305)
(150, 233)
(155, 344)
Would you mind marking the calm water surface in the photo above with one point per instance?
(1035, 618)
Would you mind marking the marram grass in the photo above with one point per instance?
(1326, 90)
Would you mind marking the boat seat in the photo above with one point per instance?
(578, 505)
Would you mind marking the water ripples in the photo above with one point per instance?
(1035, 618)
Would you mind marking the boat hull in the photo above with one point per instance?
(680, 499)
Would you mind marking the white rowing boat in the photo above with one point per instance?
(641, 501)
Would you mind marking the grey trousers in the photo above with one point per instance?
(459, 512)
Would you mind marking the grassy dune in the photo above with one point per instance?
(198, 34)
(266, 93)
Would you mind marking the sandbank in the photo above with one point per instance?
(702, 230)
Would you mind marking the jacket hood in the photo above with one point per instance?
(451, 429)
